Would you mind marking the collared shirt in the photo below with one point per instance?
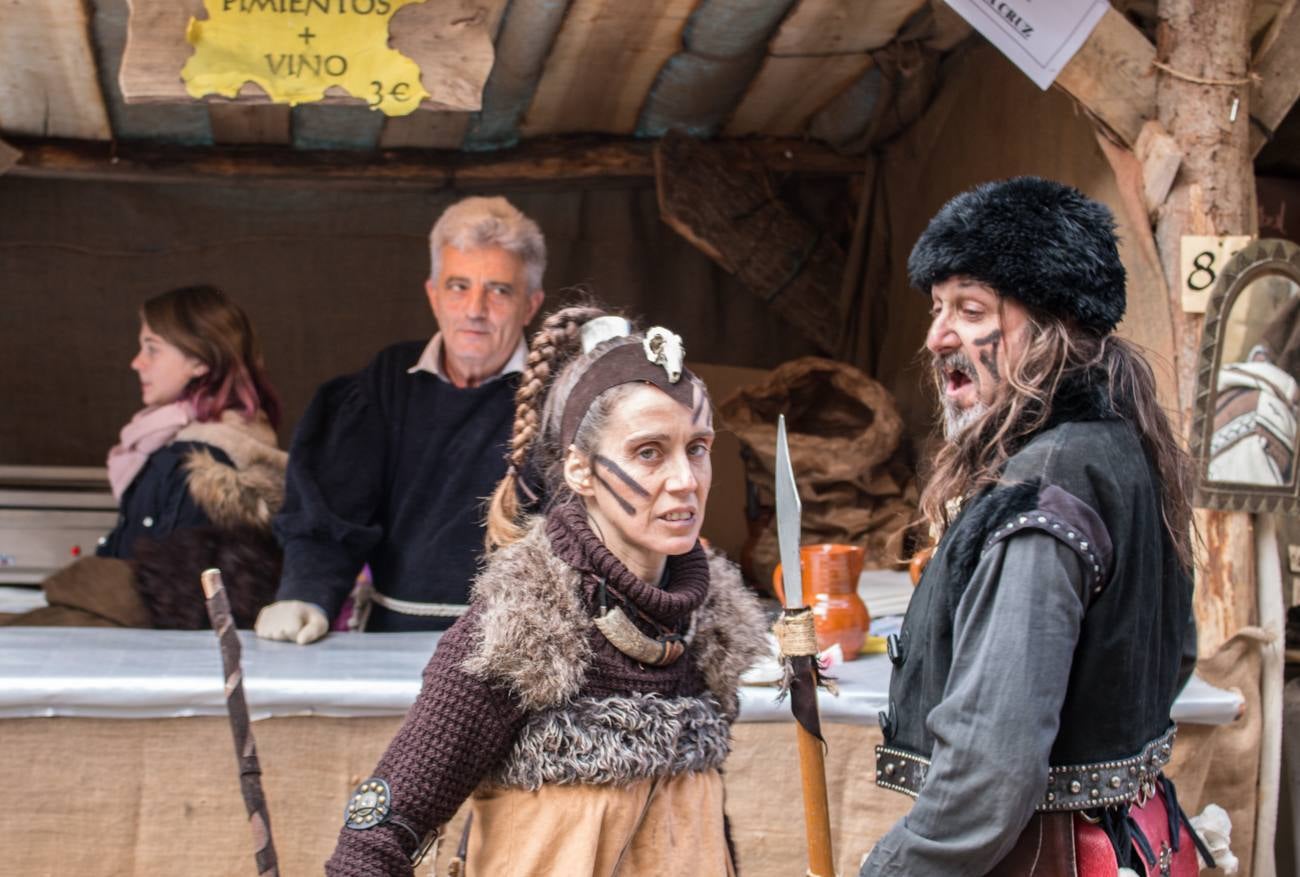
(431, 361)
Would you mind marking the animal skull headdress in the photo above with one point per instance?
(657, 360)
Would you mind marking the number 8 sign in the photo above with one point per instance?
(1201, 259)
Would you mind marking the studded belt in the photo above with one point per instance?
(1069, 787)
(1084, 786)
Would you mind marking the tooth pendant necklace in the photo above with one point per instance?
(625, 636)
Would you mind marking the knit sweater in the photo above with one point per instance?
(524, 690)
(389, 468)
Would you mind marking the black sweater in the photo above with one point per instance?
(391, 469)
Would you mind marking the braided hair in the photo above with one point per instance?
(557, 343)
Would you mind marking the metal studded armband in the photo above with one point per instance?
(372, 805)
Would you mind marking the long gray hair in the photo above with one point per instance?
(1056, 353)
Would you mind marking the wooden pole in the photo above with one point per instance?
(1201, 44)
(1202, 47)
(798, 643)
(1203, 101)
(545, 163)
(250, 770)
(816, 802)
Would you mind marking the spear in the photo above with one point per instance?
(250, 771)
(798, 639)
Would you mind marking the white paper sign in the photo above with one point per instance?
(1038, 36)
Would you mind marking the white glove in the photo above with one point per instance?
(292, 621)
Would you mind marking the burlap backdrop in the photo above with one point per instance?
(855, 480)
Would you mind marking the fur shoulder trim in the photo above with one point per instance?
(235, 497)
(245, 442)
(251, 491)
(730, 633)
(533, 630)
(976, 523)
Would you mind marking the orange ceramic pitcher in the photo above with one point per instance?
(830, 585)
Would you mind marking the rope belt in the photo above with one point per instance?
(424, 610)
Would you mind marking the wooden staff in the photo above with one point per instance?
(250, 771)
(798, 641)
(794, 632)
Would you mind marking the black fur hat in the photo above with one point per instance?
(1036, 240)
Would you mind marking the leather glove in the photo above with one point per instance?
(292, 621)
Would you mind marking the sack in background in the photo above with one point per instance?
(856, 480)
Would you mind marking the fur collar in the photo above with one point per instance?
(731, 633)
(534, 629)
(247, 493)
(1084, 395)
(245, 442)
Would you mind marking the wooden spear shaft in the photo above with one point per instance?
(250, 771)
(812, 771)
(797, 638)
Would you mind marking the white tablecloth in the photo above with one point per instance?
(140, 674)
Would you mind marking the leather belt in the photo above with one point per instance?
(1069, 787)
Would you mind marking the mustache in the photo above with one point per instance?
(955, 361)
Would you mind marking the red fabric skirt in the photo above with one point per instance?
(1069, 845)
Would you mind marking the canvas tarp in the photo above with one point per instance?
(161, 796)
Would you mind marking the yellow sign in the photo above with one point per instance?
(296, 49)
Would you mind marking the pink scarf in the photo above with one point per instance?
(149, 430)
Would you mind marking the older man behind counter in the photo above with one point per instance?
(389, 466)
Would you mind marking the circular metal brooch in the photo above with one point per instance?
(369, 805)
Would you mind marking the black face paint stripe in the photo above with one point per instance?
(989, 357)
(622, 476)
(623, 504)
(699, 407)
(990, 360)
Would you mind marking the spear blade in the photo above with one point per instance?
(789, 511)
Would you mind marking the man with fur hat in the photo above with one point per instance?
(389, 466)
(1044, 645)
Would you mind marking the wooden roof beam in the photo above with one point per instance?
(48, 84)
(177, 122)
(1278, 85)
(559, 161)
(1113, 77)
(522, 45)
(723, 47)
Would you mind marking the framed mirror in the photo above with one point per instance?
(1243, 439)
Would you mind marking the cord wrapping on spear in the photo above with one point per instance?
(250, 769)
(802, 674)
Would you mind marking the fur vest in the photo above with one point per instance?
(535, 639)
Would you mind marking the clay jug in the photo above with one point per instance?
(830, 583)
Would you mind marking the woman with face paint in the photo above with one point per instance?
(583, 705)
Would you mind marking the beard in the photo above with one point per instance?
(957, 419)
